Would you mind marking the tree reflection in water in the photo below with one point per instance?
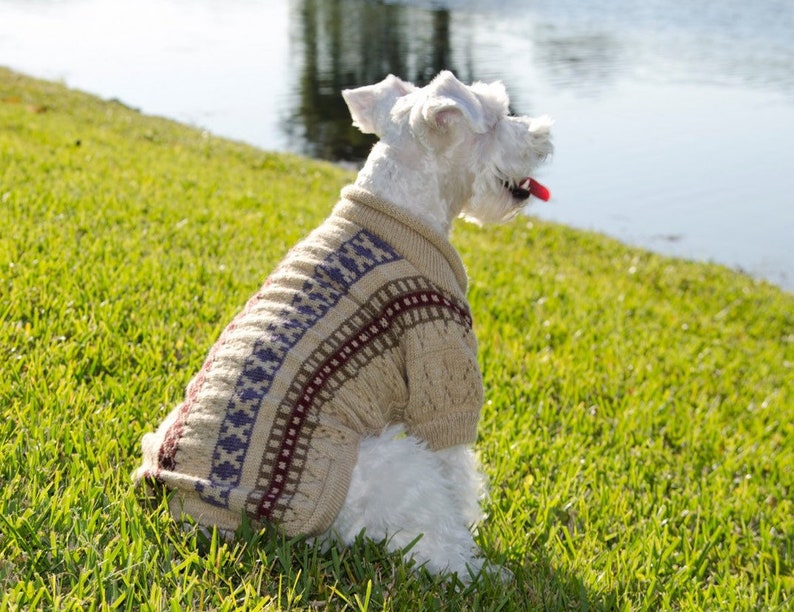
(348, 43)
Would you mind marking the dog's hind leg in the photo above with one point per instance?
(401, 490)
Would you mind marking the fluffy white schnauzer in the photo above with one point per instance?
(344, 398)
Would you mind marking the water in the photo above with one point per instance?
(674, 121)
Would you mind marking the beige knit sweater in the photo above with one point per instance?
(364, 324)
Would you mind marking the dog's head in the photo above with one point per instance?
(481, 154)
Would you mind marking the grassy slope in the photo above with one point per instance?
(638, 432)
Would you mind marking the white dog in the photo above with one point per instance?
(345, 396)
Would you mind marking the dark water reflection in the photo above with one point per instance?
(348, 43)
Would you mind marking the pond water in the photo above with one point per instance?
(674, 120)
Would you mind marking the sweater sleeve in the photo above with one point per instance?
(445, 392)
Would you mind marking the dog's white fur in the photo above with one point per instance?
(445, 150)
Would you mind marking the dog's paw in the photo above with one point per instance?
(499, 573)
(482, 568)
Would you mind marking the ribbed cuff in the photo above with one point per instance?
(454, 429)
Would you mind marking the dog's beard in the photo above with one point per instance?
(500, 203)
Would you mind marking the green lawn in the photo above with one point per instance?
(638, 431)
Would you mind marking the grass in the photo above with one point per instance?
(638, 431)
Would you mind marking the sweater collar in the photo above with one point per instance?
(372, 207)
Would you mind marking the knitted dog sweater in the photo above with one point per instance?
(364, 324)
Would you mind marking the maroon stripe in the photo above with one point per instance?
(330, 366)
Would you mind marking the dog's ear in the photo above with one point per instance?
(449, 101)
(370, 105)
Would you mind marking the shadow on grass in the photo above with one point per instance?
(545, 587)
